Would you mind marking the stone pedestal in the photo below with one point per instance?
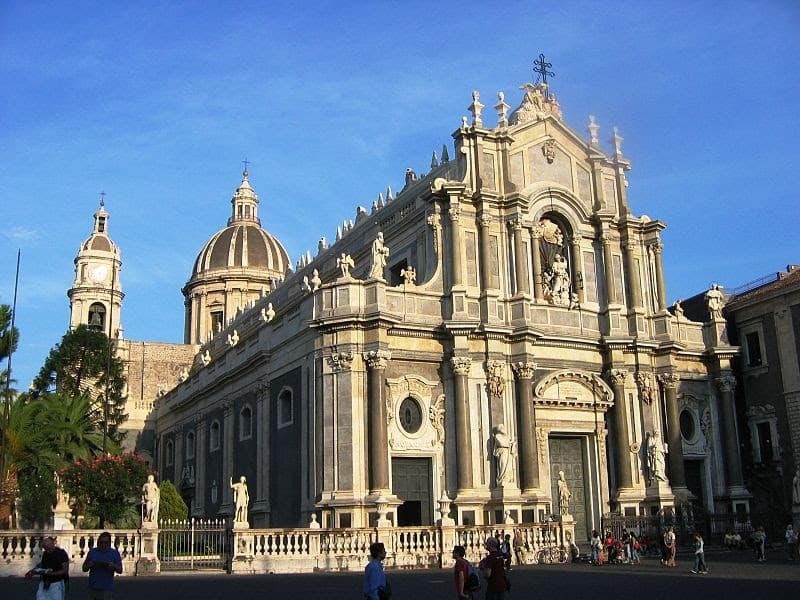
(148, 563)
(567, 531)
(240, 525)
(62, 518)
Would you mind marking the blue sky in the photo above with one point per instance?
(157, 104)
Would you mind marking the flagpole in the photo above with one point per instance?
(7, 395)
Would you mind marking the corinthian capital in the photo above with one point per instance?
(377, 359)
(669, 380)
(461, 364)
(515, 224)
(341, 361)
(454, 211)
(726, 383)
(616, 376)
(524, 370)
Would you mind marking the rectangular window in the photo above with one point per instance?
(753, 343)
(217, 320)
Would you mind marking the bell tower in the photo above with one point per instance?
(95, 299)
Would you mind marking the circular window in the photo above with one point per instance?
(410, 415)
(687, 425)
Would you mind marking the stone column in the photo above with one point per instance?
(461, 366)
(633, 273)
(200, 451)
(621, 442)
(262, 443)
(455, 241)
(519, 257)
(536, 236)
(202, 323)
(227, 455)
(577, 271)
(526, 427)
(378, 449)
(658, 249)
(486, 261)
(608, 271)
(677, 477)
(730, 439)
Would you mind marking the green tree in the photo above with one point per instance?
(84, 364)
(171, 504)
(106, 487)
(9, 338)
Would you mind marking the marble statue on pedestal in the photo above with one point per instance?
(655, 457)
(796, 487)
(241, 498)
(503, 449)
(379, 255)
(564, 494)
(151, 498)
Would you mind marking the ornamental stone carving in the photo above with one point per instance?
(524, 370)
(454, 211)
(645, 382)
(262, 391)
(549, 150)
(340, 361)
(436, 416)
(496, 382)
(461, 364)
(542, 437)
(726, 383)
(227, 406)
(377, 359)
(616, 376)
(574, 388)
(669, 380)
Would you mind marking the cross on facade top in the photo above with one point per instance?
(102, 198)
(540, 67)
(245, 162)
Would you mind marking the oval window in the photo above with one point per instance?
(687, 425)
(410, 415)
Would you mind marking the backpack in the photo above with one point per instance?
(473, 582)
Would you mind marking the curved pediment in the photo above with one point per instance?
(573, 388)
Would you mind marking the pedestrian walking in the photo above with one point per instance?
(102, 562)
(465, 577)
(505, 551)
(494, 571)
(53, 571)
(596, 545)
(791, 542)
(519, 548)
(699, 555)
(375, 585)
(760, 544)
(671, 547)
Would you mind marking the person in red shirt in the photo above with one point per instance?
(461, 572)
(493, 569)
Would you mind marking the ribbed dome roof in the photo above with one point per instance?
(243, 244)
(99, 239)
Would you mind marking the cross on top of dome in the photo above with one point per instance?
(244, 202)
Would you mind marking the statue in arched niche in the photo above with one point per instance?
(556, 274)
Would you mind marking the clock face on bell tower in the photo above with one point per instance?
(98, 273)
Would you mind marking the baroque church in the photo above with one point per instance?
(497, 325)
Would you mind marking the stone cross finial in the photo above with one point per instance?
(476, 108)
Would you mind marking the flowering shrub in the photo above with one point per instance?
(105, 487)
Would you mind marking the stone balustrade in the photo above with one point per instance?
(284, 550)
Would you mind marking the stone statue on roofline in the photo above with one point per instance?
(380, 252)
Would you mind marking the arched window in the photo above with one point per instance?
(169, 453)
(97, 317)
(213, 436)
(285, 408)
(190, 445)
(245, 423)
(558, 263)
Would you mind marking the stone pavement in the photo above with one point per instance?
(733, 574)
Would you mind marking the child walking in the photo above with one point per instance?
(699, 555)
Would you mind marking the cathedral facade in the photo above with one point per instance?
(498, 326)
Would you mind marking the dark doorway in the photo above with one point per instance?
(568, 454)
(412, 483)
(694, 480)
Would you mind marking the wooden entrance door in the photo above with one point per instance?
(412, 482)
